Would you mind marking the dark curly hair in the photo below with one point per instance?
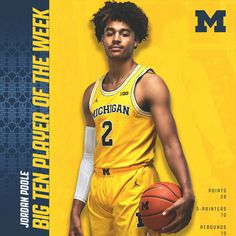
(126, 12)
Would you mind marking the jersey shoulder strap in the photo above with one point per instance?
(93, 93)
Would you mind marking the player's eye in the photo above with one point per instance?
(125, 34)
(108, 33)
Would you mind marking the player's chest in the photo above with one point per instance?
(117, 106)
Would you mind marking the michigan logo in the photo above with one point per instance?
(139, 220)
(217, 19)
(145, 205)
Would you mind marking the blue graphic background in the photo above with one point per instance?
(15, 110)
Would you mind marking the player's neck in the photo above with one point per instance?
(119, 69)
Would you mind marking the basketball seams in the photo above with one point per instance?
(158, 213)
(165, 186)
(149, 189)
(159, 197)
(170, 189)
(155, 200)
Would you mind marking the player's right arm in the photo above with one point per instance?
(86, 168)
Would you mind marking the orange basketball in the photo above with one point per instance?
(154, 201)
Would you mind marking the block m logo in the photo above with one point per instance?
(144, 205)
(217, 18)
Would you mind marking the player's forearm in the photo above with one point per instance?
(178, 165)
(86, 166)
(77, 207)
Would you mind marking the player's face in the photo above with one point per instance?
(119, 40)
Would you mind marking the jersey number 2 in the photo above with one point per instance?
(105, 141)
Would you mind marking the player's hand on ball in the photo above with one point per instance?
(183, 208)
(75, 226)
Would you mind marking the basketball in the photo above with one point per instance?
(154, 201)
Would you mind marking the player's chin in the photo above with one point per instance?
(117, 55)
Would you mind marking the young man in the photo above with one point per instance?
(124, 112)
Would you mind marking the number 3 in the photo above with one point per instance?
(106, 124)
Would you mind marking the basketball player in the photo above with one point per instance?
(124, 112)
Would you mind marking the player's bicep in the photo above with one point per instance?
(89, 119)
(159, 100)
(165, 124)
(87, 114)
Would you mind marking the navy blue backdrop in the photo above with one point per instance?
(15, 109)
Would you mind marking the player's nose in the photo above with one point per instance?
(116, 37)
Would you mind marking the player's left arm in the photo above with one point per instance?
(158, 99)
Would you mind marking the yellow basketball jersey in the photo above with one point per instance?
(125, 134)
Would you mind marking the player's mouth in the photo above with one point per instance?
(116, 48)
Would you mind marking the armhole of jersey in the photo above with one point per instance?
(92, 94)
(137, 108)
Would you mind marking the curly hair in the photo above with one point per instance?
(127, 12)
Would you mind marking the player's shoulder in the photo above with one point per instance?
(153, 83)
(87, 94)
(89, 90)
